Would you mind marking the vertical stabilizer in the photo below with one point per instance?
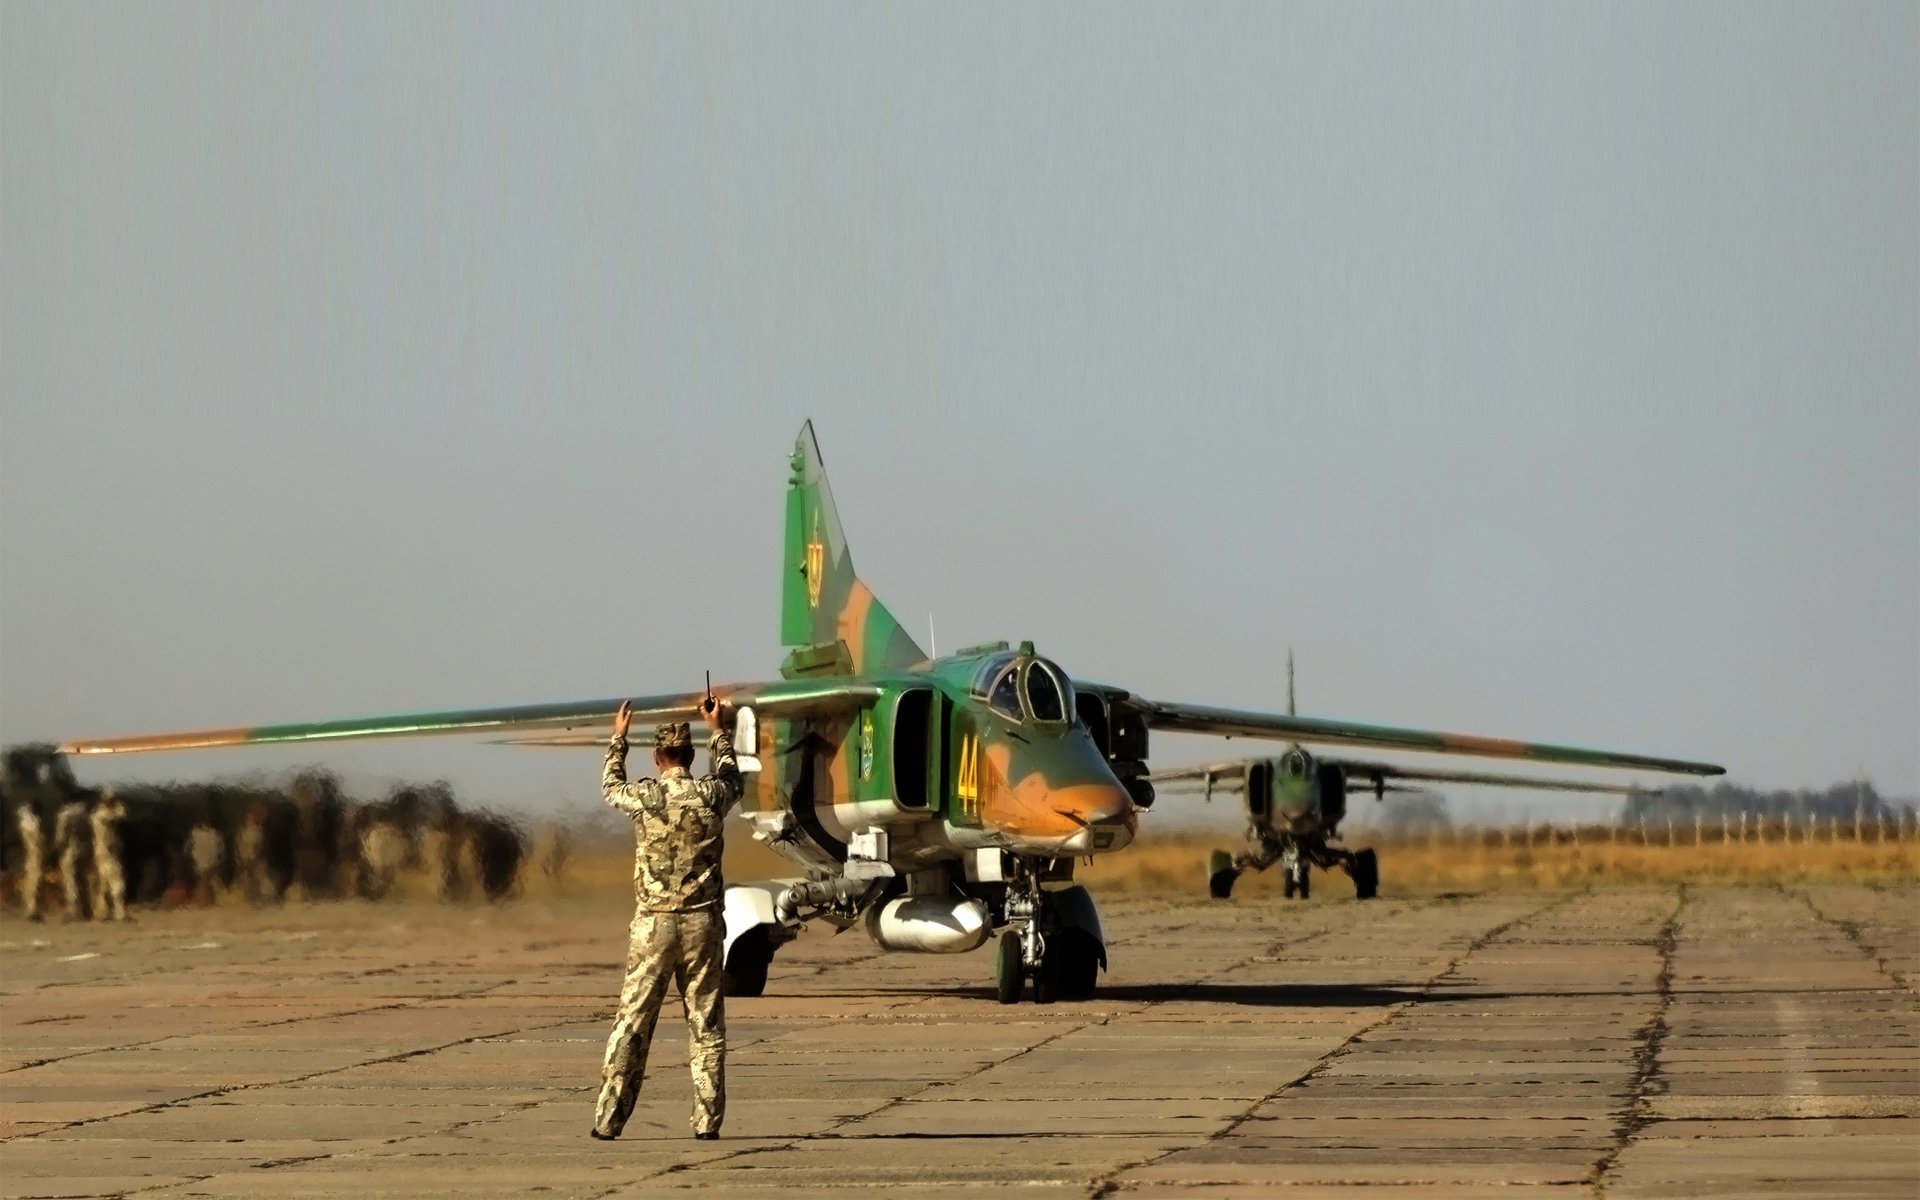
(821, 599)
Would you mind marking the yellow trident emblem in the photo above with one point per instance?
(816, 565)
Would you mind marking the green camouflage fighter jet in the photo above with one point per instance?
(934, 801)
(1295, 802)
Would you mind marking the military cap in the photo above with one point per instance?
(671, 735)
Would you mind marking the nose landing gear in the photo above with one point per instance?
(1056, 943)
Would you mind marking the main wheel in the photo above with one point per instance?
(1075, 960)
(747, 963)
(1220, 875)
(1046, 976)
(1046, 984)
(1366, 874)
(1009, 975)
(1287, 885)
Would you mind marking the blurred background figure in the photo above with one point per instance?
(349, 864)
(250, 854)
(109, 879)
(32, 845)
(317, 811)
(73, 842)
(442, 846)
(383, 851)
(496, 848)
(207, 852)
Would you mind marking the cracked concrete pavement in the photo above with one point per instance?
(1620, 1042)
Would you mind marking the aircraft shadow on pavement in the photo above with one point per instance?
(1292, 995)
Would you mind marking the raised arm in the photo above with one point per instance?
(614, 787)
(725, 775)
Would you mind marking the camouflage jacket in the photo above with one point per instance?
(676, 821)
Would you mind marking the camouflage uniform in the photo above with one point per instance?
(383, 850)
(250, 856)
(206, 848)
(109, 881)
(678, 929)
(70, 838)
(32, 844)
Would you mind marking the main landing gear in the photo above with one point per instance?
(1297, 860)
(1055, 944)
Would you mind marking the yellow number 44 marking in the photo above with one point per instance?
(967, 787)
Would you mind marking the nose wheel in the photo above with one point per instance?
(1009, 972)
(1061, 960)
(1295, 877)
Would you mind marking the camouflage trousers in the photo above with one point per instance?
(30, 880)
(70, 881)
(109, 889)
(689, 948)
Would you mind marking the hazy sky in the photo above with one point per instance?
(1546, 370)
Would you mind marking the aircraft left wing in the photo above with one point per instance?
(1232, 722)
(777, 698)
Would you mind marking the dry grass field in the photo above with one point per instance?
(1488, 860)
(1174, 863)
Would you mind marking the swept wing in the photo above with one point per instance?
(1231, 774)
(1233, 722)
(778, 698)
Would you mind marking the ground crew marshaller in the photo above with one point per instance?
(678, 928)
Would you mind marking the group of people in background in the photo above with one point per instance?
(100, 850)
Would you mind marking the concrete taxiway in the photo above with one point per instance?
(1650, 1042)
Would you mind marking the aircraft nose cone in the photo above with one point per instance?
(1298, 820)
(1104, 813)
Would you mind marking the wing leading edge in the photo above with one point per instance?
(781, 697)
(1232, 774)
(1230, 722)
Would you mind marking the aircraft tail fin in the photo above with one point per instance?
(822, 601)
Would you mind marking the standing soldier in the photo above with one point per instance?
(207, 850)
(32, 846)
(677, 926)
(250, 854)
(109, 881)
(71, 838)
(383, 851)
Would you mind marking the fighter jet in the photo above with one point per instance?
(936, 802)
(1295, 803)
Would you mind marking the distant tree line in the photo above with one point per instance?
(1842, 801)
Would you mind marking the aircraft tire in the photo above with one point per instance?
(747, 964)
(1075, 963)
(1304, 887)
(1046, 989)
(1220, 874)
(1008, 974)
(1287, 886)
(1366, 874)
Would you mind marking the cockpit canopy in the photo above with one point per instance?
(1026, 688)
